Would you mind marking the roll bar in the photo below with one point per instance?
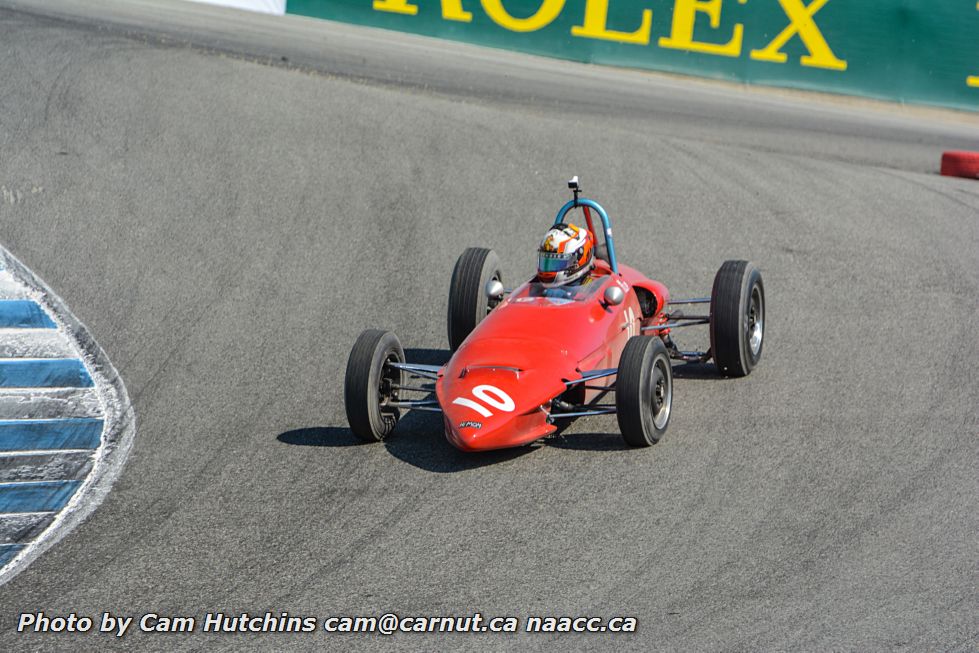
(576, 202)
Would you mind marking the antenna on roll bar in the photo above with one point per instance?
(575, 188)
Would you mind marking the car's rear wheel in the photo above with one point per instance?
(644, 391)
(737, 318)
(370, 384)
(468, 303)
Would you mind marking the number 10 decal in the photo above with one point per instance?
(489, 395)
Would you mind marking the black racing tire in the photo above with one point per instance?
(468, 304)
(368, 384)
(737, 318)
(644, 391)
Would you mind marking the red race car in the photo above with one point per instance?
(556, 347)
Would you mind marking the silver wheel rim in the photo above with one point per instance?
(662, 394)
(386, 391)
(493, 303)
(755, 321)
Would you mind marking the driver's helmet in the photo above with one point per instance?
(565, 255)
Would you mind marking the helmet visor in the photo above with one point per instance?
(554, 262)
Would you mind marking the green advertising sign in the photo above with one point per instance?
(923, 51)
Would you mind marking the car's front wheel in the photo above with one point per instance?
(644, 391)
(737, 318)
(468, 303)
(371, 384)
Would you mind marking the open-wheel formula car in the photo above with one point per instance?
(528, 358)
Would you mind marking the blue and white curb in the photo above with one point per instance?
(66, 423)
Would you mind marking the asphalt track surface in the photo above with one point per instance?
(226, 222)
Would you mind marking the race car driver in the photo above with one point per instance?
(565, 256)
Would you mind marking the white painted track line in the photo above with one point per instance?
(34, 343)
(49, 403)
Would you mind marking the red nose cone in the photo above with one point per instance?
(961, 164)
(464, 439)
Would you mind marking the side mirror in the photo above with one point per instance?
(494, 289)
(614, 295)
